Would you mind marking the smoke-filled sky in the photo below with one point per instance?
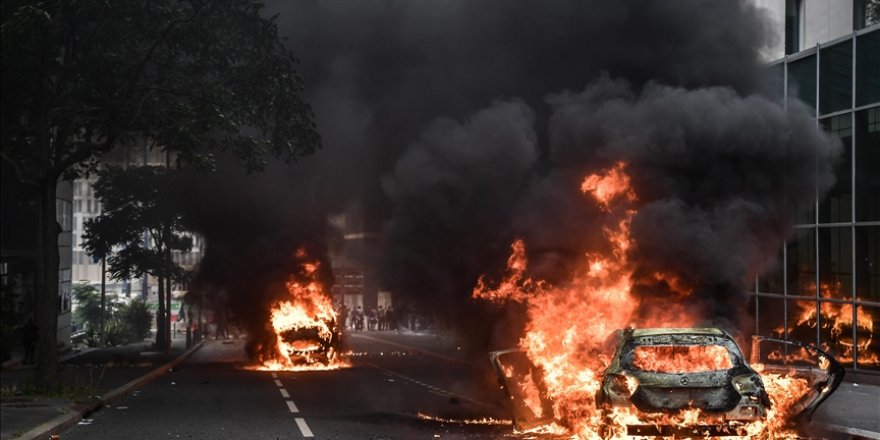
(461, 125)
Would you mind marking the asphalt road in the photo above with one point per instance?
(389, 392)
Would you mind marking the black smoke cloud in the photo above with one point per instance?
(460, 125)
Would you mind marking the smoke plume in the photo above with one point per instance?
(459, 125)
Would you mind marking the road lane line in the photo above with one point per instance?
(292, 406)
(303, 427)
(434, 389)
(278, 382)
(284, 393)
(274, 375)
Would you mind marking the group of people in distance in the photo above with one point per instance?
(380, 319)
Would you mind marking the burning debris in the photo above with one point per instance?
(643, 381)
(304, 330)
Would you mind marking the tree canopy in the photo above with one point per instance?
(134, 201)
(80, 77)
(190, 76)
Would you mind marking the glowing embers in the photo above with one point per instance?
(681, 358)
(306, 335)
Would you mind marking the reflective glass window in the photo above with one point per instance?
(802, 80)
(868, 165)
(868, 338)
(836, 206)
(835, 78)
(801, 320)
(835, 262)
(771, 281)
(771, 314)
(801, 263)
(868, 263)
(868, 68)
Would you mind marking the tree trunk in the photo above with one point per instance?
(46, 295)
(160, 316)
(168, 315)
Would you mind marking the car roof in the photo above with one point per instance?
(637, 333)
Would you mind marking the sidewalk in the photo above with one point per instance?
(107, 372)
(853, 410)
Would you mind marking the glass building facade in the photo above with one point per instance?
(824, 289)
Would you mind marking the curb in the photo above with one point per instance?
(72, 417)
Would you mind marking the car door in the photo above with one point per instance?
(822, 372)
(522, 383)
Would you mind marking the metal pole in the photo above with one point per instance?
(103, 297)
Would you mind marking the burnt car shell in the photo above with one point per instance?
(728, 396)
(733, 393)
(307, 346)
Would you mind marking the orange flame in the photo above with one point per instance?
(308, 307)
(568, 324)
(837, 320)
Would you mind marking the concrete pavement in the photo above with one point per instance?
(110, 373)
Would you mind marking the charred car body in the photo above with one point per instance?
(311, 344)
(662, 371)
(658, 371)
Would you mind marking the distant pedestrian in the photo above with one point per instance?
(381, 318)
(343, 315)
(390, 319)
(358, 319)
(30, 335)
(372, 320)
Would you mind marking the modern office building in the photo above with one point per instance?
(19, 254)
(825, 287)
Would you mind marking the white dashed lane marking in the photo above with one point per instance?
(300, 422)
(303, 427)
(292, 406)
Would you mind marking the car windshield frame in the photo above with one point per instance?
(626, 355)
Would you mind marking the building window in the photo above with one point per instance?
(802, 80)
(835, 262)
(801, 263)
(792, 26)
(868, 263)
(868, 68)
(837, 204)
(865, 13)
(772, 280)
(867, 157)
(835, 78)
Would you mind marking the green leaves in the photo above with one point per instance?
(194, 77)
(134, 202)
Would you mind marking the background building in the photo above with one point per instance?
(19, 255)
(86, 206)
(825, 286)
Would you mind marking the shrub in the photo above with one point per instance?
(137, 318)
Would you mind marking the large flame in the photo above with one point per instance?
(567, 326)
(307, 308)
(837, 321)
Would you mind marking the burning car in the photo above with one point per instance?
(671, 369)
(311, 344)
(673, 382)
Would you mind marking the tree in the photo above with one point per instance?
(136, 200)
(80, 77)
